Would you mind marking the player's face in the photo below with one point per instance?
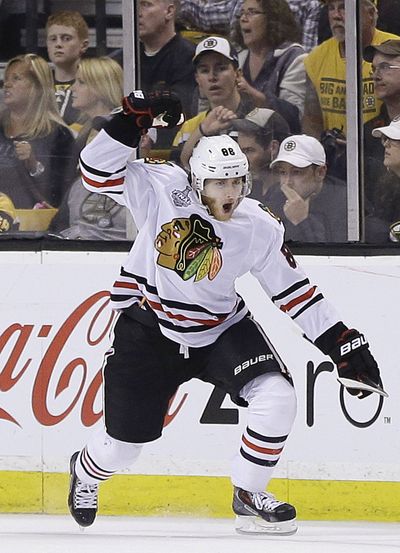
(64, 46)
(83, 97)
(303, 180)
(153, 17)
(392, 154)
(216, 77)
(386, 79)
(222, 196)
(18, 86)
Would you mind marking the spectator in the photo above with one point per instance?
(97, 90)
(210, 16)
(220, 16)
(273, 73)
(165, 57)
(311, 203)
(325, 106)
(35, 144)
(312, 206)
(388, 196)
(385, 72)
(388, 19)
(385, 60)
(67, 38)
(259, 136)
(216, 71)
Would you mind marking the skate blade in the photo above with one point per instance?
(257, 525)
(357, 385)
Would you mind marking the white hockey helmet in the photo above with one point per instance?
(218, 157)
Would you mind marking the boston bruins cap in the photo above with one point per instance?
(301, 150)
(216, 44)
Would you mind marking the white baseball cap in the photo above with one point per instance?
(301, 150)
(216, 44)
(391, 131)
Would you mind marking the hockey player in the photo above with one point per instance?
(181, 318)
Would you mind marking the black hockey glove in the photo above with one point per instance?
(160, 109)
(357, 368)
(141, 111)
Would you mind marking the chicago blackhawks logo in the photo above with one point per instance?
(190, 247)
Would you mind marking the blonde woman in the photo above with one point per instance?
(97, 90)
(35, 144)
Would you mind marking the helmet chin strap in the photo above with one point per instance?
(200, 196)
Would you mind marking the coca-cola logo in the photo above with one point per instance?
(88, 326)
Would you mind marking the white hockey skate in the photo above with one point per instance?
(82, 498)
(262, 513)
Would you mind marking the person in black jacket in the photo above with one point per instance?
(312, 208)
(312, 204)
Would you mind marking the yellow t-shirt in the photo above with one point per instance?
(187, 128)
(327, 71)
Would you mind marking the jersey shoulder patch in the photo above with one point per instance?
(157, 161)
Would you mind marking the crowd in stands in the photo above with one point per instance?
(270, 73)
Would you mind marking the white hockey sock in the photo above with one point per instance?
(103, 456)
(271, 412)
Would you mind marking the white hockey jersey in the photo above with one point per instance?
(185, 262)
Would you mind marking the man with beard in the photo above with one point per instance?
(259, 136)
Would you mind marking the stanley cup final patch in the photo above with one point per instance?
(181, 198)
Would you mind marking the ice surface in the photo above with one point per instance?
(60, 534)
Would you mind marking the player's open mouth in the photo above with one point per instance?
(227, 208)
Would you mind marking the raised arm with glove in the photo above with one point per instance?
(357, 369)
(140, 111)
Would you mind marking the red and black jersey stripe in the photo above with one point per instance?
(172, 315)
(296, 299)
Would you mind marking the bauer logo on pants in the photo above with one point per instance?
(246, 364)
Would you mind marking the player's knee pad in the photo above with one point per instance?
(110, 453)
(272, 403)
